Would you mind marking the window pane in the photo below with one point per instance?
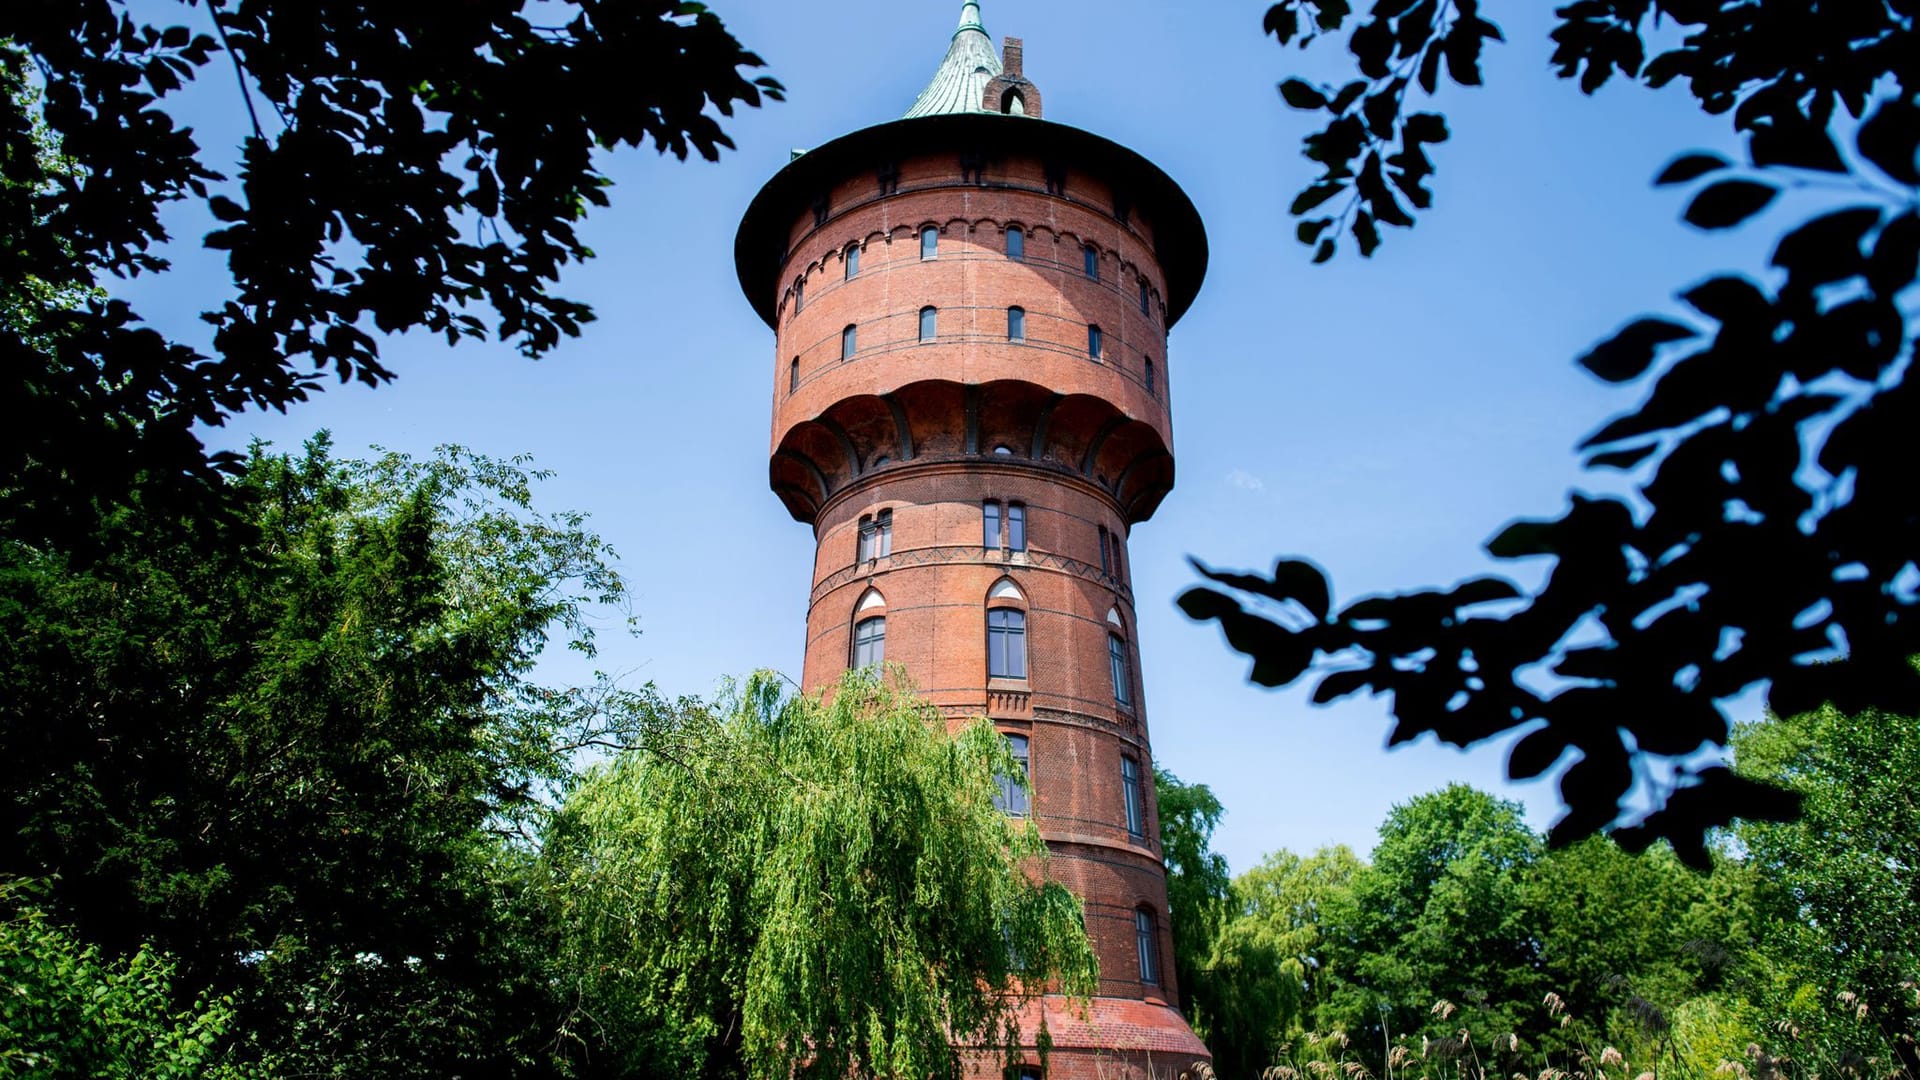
(1117, 661)
(1130, 783)
(1016, 324)
(883, 544)
(870, 642)
(927, 322)
(1017, 527)
(1016, 243)
(1091, 259)
(1144, 945)
(929, 242)
(1006, 644)
(853, 262)
(990, 524)
(847, 342)
(1013, 797)
(864, 549)
(1094, 342)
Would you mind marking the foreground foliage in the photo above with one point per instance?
(1774, 534)
(788, 886)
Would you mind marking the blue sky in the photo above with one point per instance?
(1382, 417)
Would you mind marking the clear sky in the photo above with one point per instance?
(1382, 417)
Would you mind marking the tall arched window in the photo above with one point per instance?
(1006, 643)
(870, 641)
(853, 261)
(929, 242)
(1135, 798)
(1016, 242)
(799, 295)
(848, 341)
(1016, 527)
(928, 322)
(1016, 324)
(793, 375)
(990, 524)
(1013, 797)
(1145, 298)
(1151, 389)
(1117, 664)
(1145, 943)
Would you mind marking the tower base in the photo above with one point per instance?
(1111, 1039)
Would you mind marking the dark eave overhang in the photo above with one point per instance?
(760, 247)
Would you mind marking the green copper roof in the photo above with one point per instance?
(961, 82)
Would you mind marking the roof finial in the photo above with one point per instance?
(970, 62)
(970, 17)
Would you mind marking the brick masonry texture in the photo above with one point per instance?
(926, 428)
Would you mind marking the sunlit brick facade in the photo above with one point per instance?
(970, 408)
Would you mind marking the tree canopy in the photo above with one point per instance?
(409, 166)
(1773, 535)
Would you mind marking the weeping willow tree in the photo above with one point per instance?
(790, 886)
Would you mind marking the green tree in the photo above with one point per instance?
(1774, 512)
(67, 1011)
(1198, 885)
(1840, 887)
(790, 886)
(409, 166)
(299, 758)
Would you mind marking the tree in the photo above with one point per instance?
(1774, 531)
(301, 758)
(1840, 886)
(1198, 885)
(791, 886)
(383, 137)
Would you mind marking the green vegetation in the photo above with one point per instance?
(1468, 947)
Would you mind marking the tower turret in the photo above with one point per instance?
(971, 307)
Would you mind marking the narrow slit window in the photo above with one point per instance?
(853, 262)
(863, 549)
(1016, 324)
(990, 524)
(1106, 562)
(849, 340)
(883, 534)
(929, 323)
(1096, 342)
(1145, 300)
(1016, 243)
(929, 242)
(1143, 941)
(799, 295)
(1136, 805)
(1090, 261)
(1117, 664)
(1016, 527)
(1151, 389)
(793, 375)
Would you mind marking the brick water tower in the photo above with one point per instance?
(970, 408)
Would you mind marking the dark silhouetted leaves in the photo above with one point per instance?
(1890, 138)
(1302, 95)
(1628, 354)
(1728, 203)
(1690, 167)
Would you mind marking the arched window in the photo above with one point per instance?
(1016, 242)
(1096, 341)
(799, 295)
(1117, 665)
(1016, 324)
(1135, 799)
(1146, 945)
(853, 261)
(1144, 298)
(1149, 377)
(793, 375)
(928, 322)
(876, 537)
(849, 341)
(929, 242)
(1006, 643)
(1013, 104)
(870, 641)
(1016, 527)
(1090, 261)
(1014, 797)
(1106, 561)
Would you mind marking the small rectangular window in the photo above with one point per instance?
(1090, 260)
(799, 295)
(1136, 805)
(793, 375)
(870, 642)
(929, 242)
(883, 534)
(1014, 795)
(1143, 935)
(1016, 243)
(1016, 527)
(1149, 375)
(1006, 644)
(928, 323)
(863, 549)
(1106, 564)
(1144, 299)
(990, 524)
(1095, 342)
(1117, 664)
(1016, 324)
(848, 342)
(853, 262)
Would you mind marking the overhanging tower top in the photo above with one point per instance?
(971, 63)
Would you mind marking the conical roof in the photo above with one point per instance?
(961, 83)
